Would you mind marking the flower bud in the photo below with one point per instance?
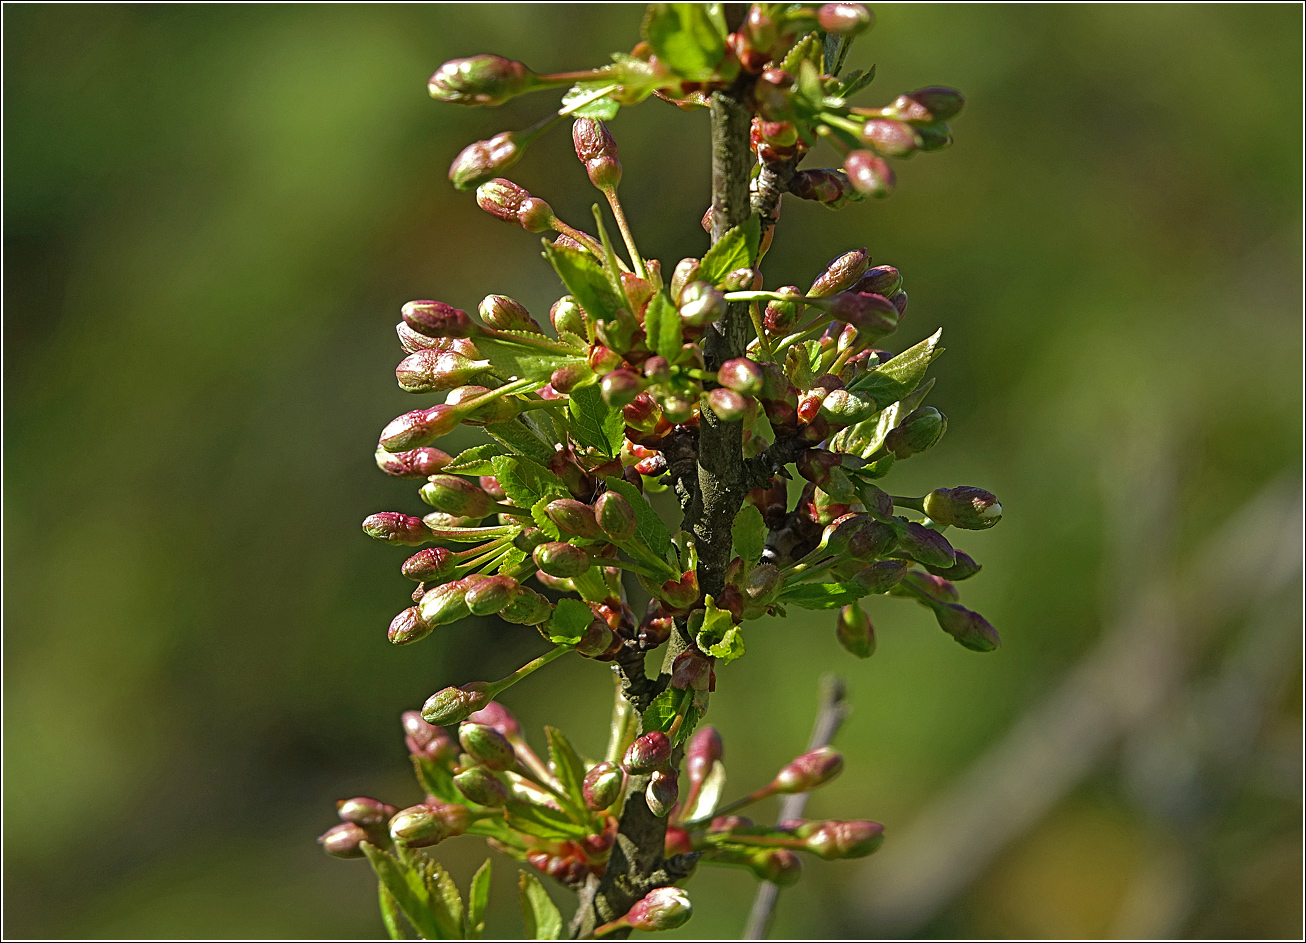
(832, 840)
(408, 627)
(445, 604)
(728, 405)
(454, 495)
(647, 753)
(487, 746)
(686, 271)
(780, 866)
(428, 824)
(656, 626)
(663, 908)
(369, 813)
(739, 279)
(679, 595)
(419, 427)
(880, 280)
(396, 528)
(869, 174)
(873, 539)
(616, 518)
(480, 80)
(498, 717)
(880, 577)
(433, 370)
(344, 840)
(872, 315)
(831, 188)
(899, 301)
(412, 341)
(506, 201)
(921, 430)
(968, 627)
(763, 585)
(565, 379)
(677, 410)
(504, 314)
(691, 670)
(426, 740)
(729, 823)
(597, 150)
(598, 641)
(891, 138)
(567, 315)
(415, 463)
(484, 160)
(437, 319)
(490, 594)
(964, 507)
(855, 631)
(814, 768)
(602, 786)
(963, 569)
(574, 519)
(662, 791)
(481, 786)
(527, 608)
(620, 387)
(845, 19)
(841, 274)
(936, 103)
(434, 564)
(558, 558)
(453, 705)
(925, 545)
(704, 749)
(741, 375)
(701, 304)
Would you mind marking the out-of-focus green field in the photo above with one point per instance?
(211, 217)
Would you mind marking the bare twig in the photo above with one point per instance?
(834, 709)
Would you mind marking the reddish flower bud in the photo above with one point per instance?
(662, 791)
(831, 188)
(416, 463)
(927, 105)
(480, 80)
(841, 273)
(419, 427)
(498, 717)
(427, 824)
(505, 200)
(814, 768)
(558, 558)
(855, 631)
(344, 840)
(437, 319)
(968, 627)
(487, 746)
(620, 387)
(598, 642)
(891, 138)
(869, 174)
(679, 595)
(845, 19)
(963, 569)
(701, 304)
(880, 577)
(833, 839)
(873, 539)
(411, 341)
(597, 150)
(369, 813)
(396, 528)
(642, 413)
(489, 594)
(704, 749)
(408, 626)
(615, 516)
(427, 740)
(484, 160)
(433, 370)
(921, 430)
(567, 315)
(778, 865)
(663, 908)
(964, 507)
(574, 519)
(565, 379)
(728, 405)
(880, 280)
(686, 271)
(690, 670)
(434, 564)
(453, 495)
(874, 315)
(504, 314)
(602, 786)
(935, 587)
(656, 627)
(729, 823)
(925, 545)
(741, 375)
(647, 753)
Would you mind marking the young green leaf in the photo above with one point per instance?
(685, 38)
(585, 280)
(661, 714)
(535, 358)
(478, 899)
(822, 595)
(473, 461)
(894, 379)
(525, 482)
(571, 618)
(422, 890)
(539, 913)
(865, 438)
(749, 534)
(543, 822)
(602, 108)
(649, 529)
(735, 249)
(662, 325)
(567, 765)
(435, 779)
(394, 926)
(594, 423)
(519, 439)
(718, 635)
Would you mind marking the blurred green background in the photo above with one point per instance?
(211, 217)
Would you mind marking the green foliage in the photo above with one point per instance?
(539, 913)
(594, 423)
(736, 249)
(686, 38)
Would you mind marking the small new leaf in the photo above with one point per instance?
(518, 439)
(719, 636)
(685, 39)
(478, 899)
(734, 250)
(525, 482)
(594, 423)
(896, 378)
(661, 714)
(539, 914)
(602, 108)
(662, 325)
(749, 534)
(822, 595)
(567, 765)
(473, 461)
(649, 529)
(570, 619)
(584, 279)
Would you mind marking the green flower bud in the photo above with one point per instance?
(558, 558)
(437, 319)
(480, 80)
(620, 387)
(419, 427)
(487, 746)
(484, 160)
(396, 528)
(845, 19)
(432, 370)
(434, 564)
(927, 105)
(841, 274)
(924, 545)
(963, 569)
(445, 604)
(663, 908)
(969, 628)
(780, 866)
(616, 518)
(602, 786)
(408, 627)
(844, 408)
(369, 813)
(481, 786)
(489, 594)
(701, 304)
(921, 430)
(869, 174)
(499, 409)
(527, 608)
(814, 768)
(454, 705)
(855, 632)
(891, 138)
(574, 519)
(506, 201)
(567, 315)
(344, 840)
(503, 314)
(454, 495)
(427, 824)
(565, 379)
(964, 507)
(662, 791)
(647, 753)
(833, 839)
(528, 538)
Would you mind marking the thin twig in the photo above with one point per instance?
(834, 709)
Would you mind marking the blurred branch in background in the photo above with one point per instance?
(1133, 688)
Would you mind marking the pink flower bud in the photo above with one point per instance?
(880, 577)
(969, 628)
(869, 174)
(841, 273)
(662, 791)
(728, 405)
(831, 188)
(426, 740)
(647, 753)
(396, 528)
(480, 80)
(741, 375)
(499, 717)
(845, 19)
(484, 160)
(602, 786)
(503, 314)
(415, 463)
(437, 319)
(704, 749)
(964, 507)
(419, 427)
(344, 840)
(369, 813)
(505, 200)
(597, 150)
(408, 627)
(663, 908)
(814, 768)
(936, 103)
(690, 670)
